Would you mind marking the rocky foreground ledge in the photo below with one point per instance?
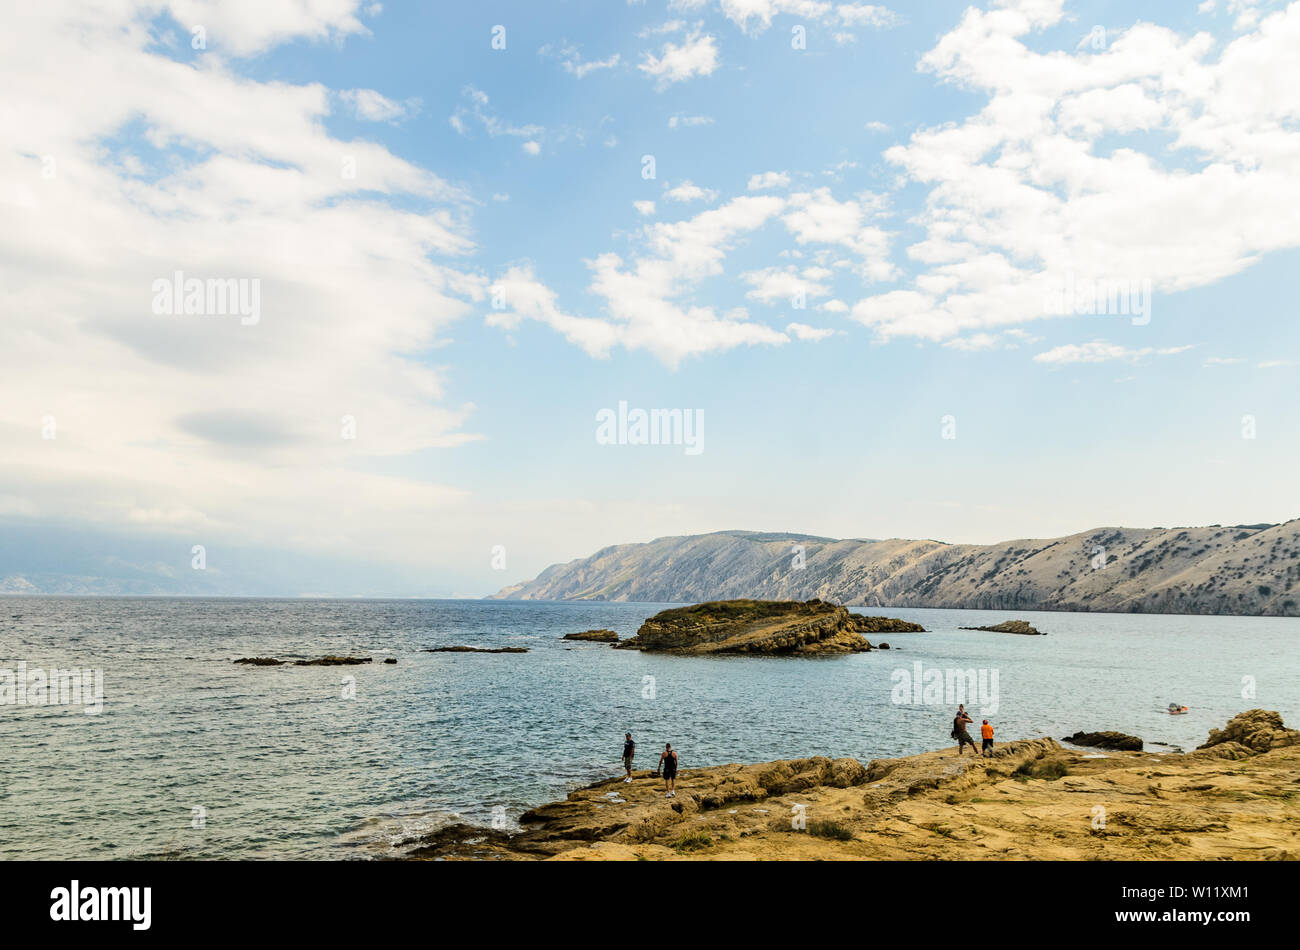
(1237, 797)
(761, 627)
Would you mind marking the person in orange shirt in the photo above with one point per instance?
(987, 732)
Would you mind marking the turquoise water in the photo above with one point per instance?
(283, 766)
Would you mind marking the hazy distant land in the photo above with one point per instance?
(1237, 569)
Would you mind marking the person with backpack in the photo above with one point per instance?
(959, 732)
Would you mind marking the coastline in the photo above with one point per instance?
(1034, 799)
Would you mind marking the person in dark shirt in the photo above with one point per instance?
(629, 750)
(668, 762)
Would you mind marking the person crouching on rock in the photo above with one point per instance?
(959, 730)
(668, 762)
(629, 750)
(986, 731)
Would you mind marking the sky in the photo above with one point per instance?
(874, 255)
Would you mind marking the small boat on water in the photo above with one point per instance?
(1175, 710)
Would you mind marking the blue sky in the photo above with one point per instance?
(498, 267)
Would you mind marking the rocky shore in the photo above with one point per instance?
(761, 627)
(1235, 798)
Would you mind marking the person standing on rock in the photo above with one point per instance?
(959, 732)
(629, 750)
(668, 762)
(986, 733)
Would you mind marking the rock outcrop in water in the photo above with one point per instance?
(760, 627)
(1220, 569)
(322, 661)
(1032, 800)
(1106, 740)
(1008, 626)
(593, 636)
(477, 650)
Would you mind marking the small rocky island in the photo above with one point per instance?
(593, 636)
(761, 628)
(1010, 626)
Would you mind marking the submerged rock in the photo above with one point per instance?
(1106, 740)
(1009, 626)
(595, 636)
(476, 650)
(760, 627)
(323, 661)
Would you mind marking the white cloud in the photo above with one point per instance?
(191, 411)
(761, 12)
(249, 27)
(572, 62)
(580, 69)
(532, 148)
(784, 285)
(875, 126)
(524, 297)
(687, 191)
(1027, 190)
(976, 342)
(374, 107)
(671, 26)
(1101, 351)
(646, 299)
(696, 55)
(802, 331)
(689, 121)
(474, 107)
(866, 14)
(819, 218)
(768, 180)
(644, 208)
(649, 299)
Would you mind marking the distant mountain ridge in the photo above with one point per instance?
(1239, 569)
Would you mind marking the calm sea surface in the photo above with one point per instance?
(283, 766)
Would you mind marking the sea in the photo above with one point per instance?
(193, 757)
